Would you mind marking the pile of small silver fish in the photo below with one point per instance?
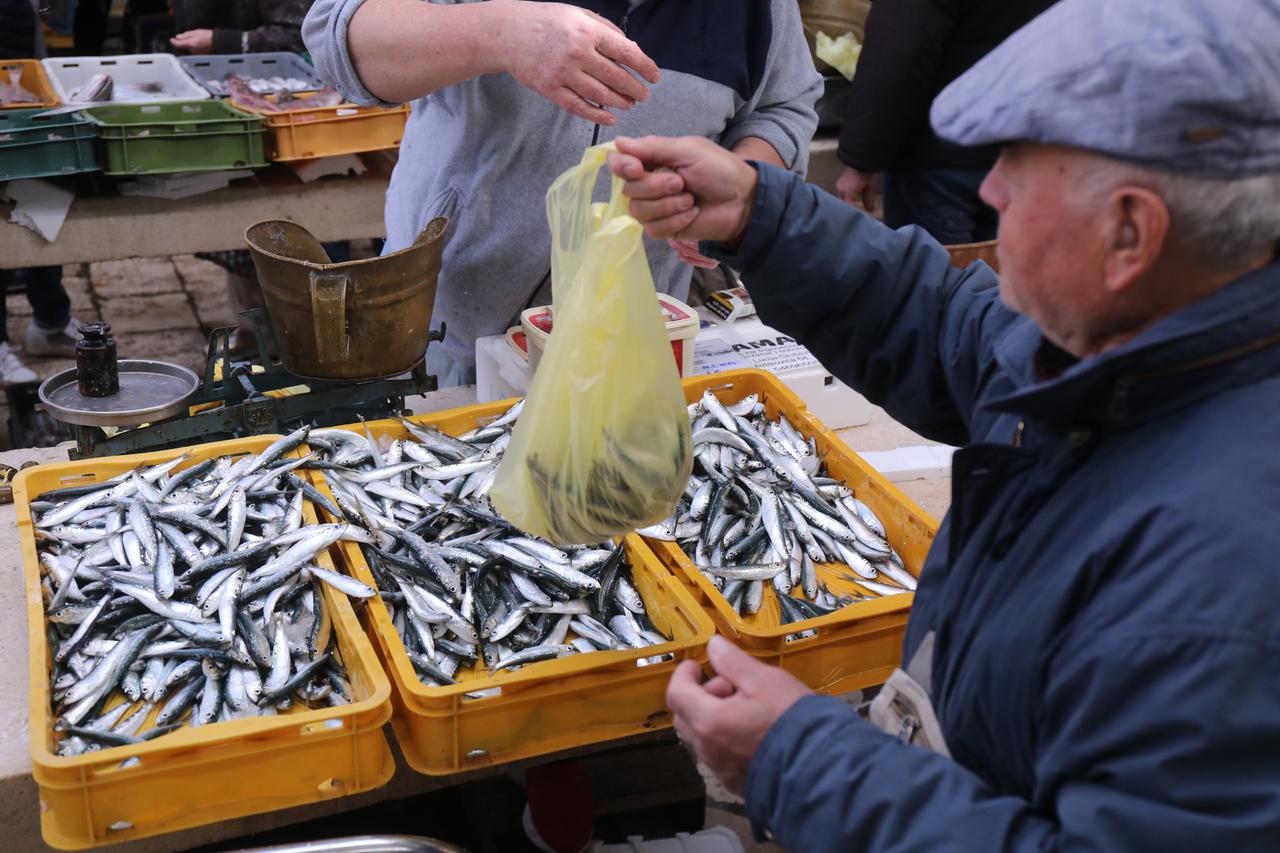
(466, 590)
(759, 514)
(186, 596)
(13, 92)
(242, 92)
(263, 85)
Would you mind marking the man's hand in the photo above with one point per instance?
(725, 719)
(576, 59)
(193, 41)
(858, 188)
(702, 193)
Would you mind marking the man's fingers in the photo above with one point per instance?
(672, 226)
(654, 185)
(654, 151)
(617, 78)
(735, 665)
(719, 687)
(648, 211)
(602, 19)
(590, 89)
(685, 696)
(622, 49)
(574, 104)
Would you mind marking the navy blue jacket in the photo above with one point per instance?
(1104, 588)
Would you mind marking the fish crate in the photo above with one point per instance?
(851, 648)
(32, 77)
(210, 71)
(37, 146)
(196, 776)
(306, 134)
(140, 78)
(542, 708)
(187, 136)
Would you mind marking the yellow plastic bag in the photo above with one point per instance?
(602, 446)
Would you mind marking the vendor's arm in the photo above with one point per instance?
(779, 119)
(395, 51)
(884, 310)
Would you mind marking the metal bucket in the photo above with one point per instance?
(352, 321)
(963, 254)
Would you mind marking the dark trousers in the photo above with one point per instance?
(942, 201)
(49, 301)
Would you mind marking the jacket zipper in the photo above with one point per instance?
(595, 130)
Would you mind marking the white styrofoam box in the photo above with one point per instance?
(500, 371)
(717, 839)
(920, 462)
(140, 78)
(750, 343)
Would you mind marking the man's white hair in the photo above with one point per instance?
(1224, 222)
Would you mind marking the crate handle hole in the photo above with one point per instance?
(190, 108)
(487, 693)
(332, 788)
(654, 659)
(120, 826)
(476, 754)
(78, 478)
(323, 725)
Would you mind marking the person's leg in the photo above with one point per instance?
(944, 202)
(12, 370)
(50, 303)
(90, 29)
(52, 330)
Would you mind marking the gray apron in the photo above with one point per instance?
(902, 707)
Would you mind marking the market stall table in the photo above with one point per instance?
(105, 228)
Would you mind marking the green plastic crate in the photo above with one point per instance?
(35, 146)
(182, 136)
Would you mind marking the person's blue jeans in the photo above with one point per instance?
(49, 301)
(942, 201)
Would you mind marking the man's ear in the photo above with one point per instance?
(1137, 222)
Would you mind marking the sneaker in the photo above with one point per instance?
(12, 370)
(52, 342)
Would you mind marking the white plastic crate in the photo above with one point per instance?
(141, 78)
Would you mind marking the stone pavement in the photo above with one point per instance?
(162, 308)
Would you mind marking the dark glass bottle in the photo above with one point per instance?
(96, 367)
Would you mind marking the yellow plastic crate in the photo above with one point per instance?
(542, 708)
(198, 776)
(32, 77)
(304, 134)
(856, 646)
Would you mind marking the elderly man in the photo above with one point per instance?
(1093, 660)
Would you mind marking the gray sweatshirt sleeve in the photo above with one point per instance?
(781, 111)
(325, 34)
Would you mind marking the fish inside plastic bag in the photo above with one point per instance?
(602, 446)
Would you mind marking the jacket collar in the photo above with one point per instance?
(1228, 339)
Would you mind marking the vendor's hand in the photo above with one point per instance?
(194, 41)
(577, 60)
(706, 192)
(725, 719)
(687, 252)
(858, 188)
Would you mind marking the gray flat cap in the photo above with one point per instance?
(1184, 86)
